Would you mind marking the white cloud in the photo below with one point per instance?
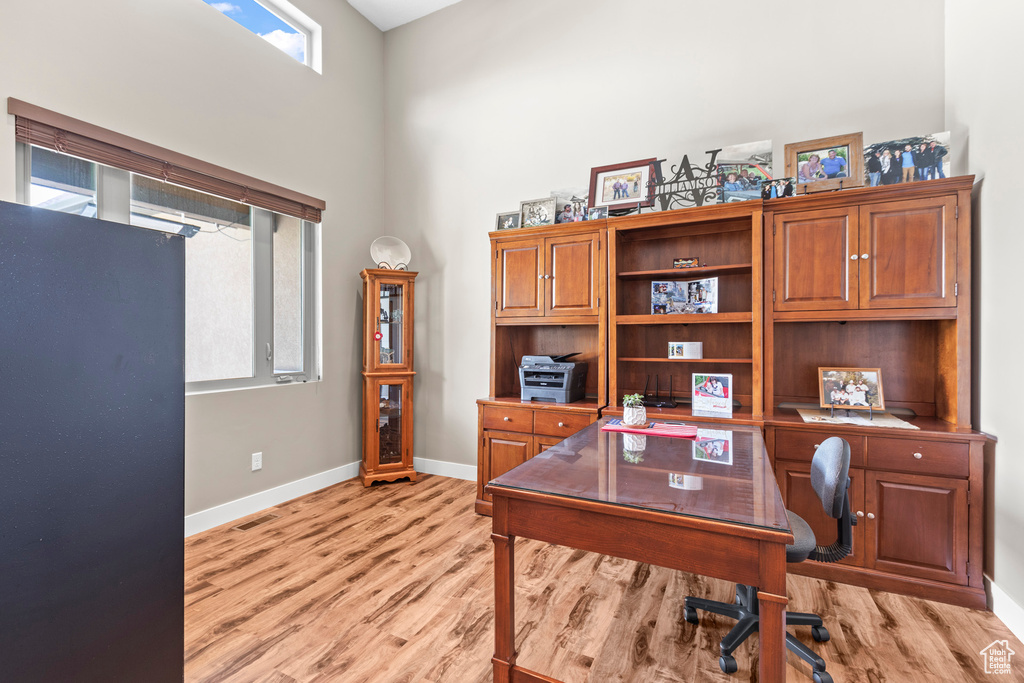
(293, 44)
(225, 7)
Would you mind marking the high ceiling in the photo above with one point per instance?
(387, 14)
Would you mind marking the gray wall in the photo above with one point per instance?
(983, 105)
(177, 74)
(489, 103)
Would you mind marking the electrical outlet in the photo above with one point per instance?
(257, 461)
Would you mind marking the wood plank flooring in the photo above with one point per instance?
(393, 584)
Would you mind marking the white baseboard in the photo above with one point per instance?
(1007, 609)
(229, 512)
(445, 469)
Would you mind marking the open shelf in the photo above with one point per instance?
(684, 318)
(689, 360)
(684, 273)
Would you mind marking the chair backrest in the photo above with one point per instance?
(830, 479)
(830, 474)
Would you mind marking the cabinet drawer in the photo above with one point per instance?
(559, 424)
(918, 457)
(508, 419)
(800, 445)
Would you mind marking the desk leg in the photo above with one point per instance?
(504, 599)
(772, 607)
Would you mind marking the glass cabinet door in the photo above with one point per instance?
(390, 335)
(390, 423)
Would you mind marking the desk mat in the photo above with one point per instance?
(653, 429)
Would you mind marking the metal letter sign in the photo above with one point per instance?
(690, 186)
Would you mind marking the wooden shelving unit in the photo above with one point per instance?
(726, 238)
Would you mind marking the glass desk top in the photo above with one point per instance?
(723, 474)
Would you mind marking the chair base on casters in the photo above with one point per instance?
(745, 612)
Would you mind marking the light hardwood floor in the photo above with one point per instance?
(393, 584)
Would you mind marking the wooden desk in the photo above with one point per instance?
(674, 508)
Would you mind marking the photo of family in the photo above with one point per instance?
(907, 160)
(780, 187)
(684, 296)
(620, 188)
(823, 164)
(851, 388)
(743, 170)
(537, 212)
(712, 395)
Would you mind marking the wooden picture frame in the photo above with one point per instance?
(849, 148)
(834, 387)
(638, 177)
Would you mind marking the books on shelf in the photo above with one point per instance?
(684, 296)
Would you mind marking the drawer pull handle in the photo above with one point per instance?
(871, 515)
(918, 456)
(561, 424)
(864, 257)
(853, 257)
(860, 513)
(506, 418)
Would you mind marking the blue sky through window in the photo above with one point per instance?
(265, 24)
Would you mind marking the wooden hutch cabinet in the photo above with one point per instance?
(547, 288)
(870, 277)
(880, 277)
(387, 375)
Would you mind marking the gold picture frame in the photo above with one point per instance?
(811, 174)
(851, 388)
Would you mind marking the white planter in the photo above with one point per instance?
(634, 415)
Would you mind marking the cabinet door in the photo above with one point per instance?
(908, 254)
(503, 451)
(797, 493)
(519, 270)
(816, 260)
(542, 443)
(919, 525)
(390, 335)
(387, 435)
(572, 274)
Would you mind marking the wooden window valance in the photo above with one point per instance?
(37, 126)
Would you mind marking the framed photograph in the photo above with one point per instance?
(906, 160)
(851, 388)
(507, 221)
(685, 350)
(713, 445)
(743, 170)
(689, 262)
(684, 296)
(570, 205)
(826, 163)
(538, 212)
(712, 395)
(623, 186)
(780, 187)
(597, 212)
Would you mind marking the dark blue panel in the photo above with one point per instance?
(91, 449)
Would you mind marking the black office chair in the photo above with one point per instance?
(830, 480)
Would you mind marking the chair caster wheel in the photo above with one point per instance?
(820, 634)
(690, 614)
(821, 677)
(727, 664)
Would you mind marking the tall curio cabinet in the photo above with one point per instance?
(387, 375)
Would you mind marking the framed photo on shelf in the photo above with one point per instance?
(826, 163)
(851, 388)
(712, 395)
(684, 296)
(713, 445)
(623, 186)
(685, 350)
(597, 212)
(507, 221)
(536, 212)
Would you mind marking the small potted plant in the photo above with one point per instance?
(633, 412)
